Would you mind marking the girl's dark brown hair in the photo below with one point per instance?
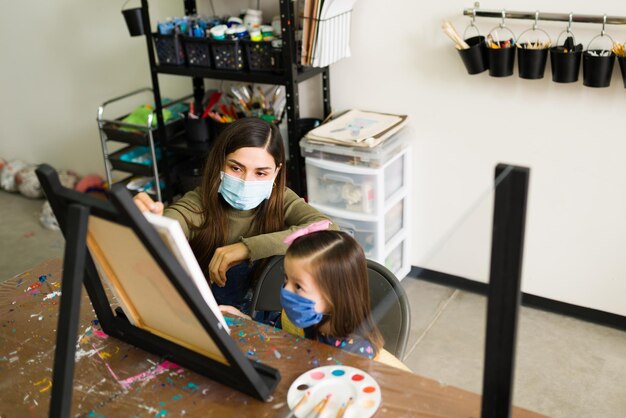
(339, 267)
(269, 217)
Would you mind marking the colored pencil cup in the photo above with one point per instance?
(597, 71)
(531, 63)
(216, 128)
(197, 130)
(134, 21)
(565, 65)
(475, 57)
(501, 61)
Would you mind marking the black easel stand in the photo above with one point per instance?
(73, 211)
(67, 328)
(507, 248)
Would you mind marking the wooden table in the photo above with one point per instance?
(113, 378)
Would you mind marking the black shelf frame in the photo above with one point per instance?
(291, 75)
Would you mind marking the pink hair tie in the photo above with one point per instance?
(314, 227)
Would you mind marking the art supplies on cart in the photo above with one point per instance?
(240, 101)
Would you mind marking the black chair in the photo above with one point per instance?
(390, 305)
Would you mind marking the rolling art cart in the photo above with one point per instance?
(143, 151)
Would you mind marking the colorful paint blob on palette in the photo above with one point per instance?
(354, 393)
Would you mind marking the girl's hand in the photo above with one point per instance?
(232, 311)
(146, 204)
(224, 258)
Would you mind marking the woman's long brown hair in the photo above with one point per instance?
(269, 217)
(339, 266)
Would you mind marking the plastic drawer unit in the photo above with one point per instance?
(366, 192)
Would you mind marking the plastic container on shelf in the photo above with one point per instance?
(364, 232)
(197, 51)
(228, 55)
(169, 49)
(332, 187)
(357, 156)
(394, 261)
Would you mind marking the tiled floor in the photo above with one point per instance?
(565, 367)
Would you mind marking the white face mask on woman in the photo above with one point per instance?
(244, 195)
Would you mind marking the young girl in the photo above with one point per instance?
(326, 292)
(242, 210)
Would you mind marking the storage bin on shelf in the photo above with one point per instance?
(263, 55)
(228, 54)
(169, 49)
(197, 51)
(140, 136)
(134, 159)
(349, 178)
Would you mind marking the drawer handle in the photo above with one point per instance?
(337, 177)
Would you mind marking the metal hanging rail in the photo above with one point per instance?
(558, 17)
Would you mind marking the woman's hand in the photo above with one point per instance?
(231, 310)
(146, 204)
(224, 258)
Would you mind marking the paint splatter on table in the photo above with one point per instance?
(113, 378)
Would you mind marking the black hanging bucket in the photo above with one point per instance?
(532, 56)
(134, 20)
(597, 70)
(475, 57)
(531, 63)
(500, 54)
(598, 64)
(565, 65)
(620, 52)
(501, 61)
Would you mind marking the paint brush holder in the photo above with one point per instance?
(475, 57)
(531, 63)
(532, 56)
(501, 52)
(598, 64)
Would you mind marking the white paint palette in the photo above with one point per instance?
(341, 383)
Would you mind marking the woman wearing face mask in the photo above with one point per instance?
(242, 210)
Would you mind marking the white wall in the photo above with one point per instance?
(60, 61)
(68, 56)
(571, 137)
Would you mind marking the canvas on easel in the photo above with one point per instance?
(163, 310)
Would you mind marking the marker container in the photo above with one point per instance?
(502, 59)
(531, 62)
(598, 64)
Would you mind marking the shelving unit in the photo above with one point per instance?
(290, 76)
(133, 136)
(366, 192)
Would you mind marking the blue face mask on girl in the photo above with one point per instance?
(244, 195)
(300, 310)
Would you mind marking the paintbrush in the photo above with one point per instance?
(298, 405)
(319, 408)
(449, 30)
(343, 408)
